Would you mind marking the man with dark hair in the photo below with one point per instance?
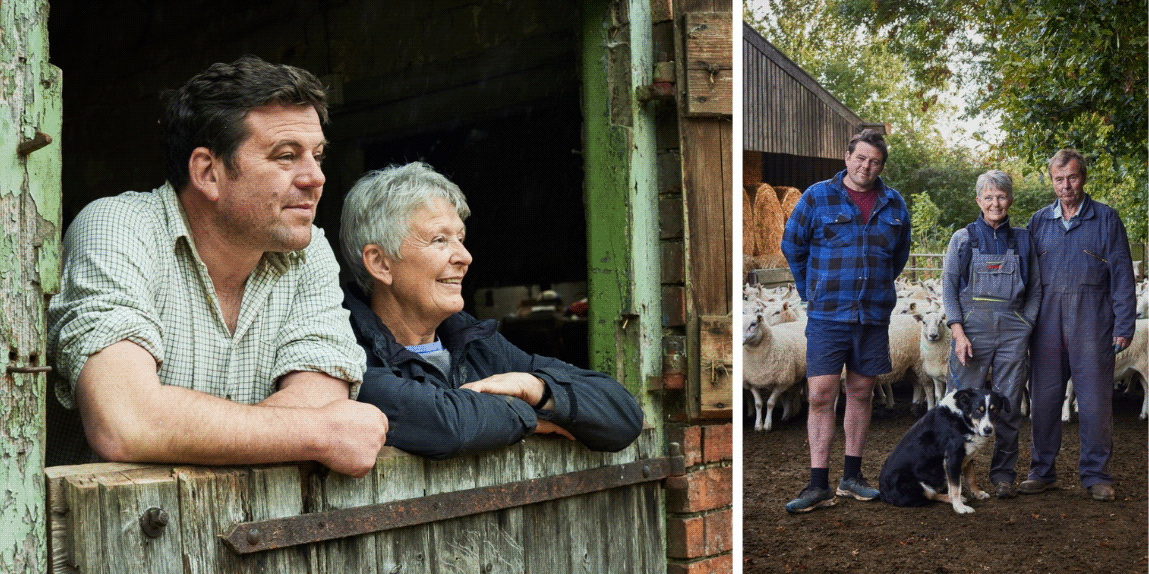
(846, 241)
(1087, 315)
(201, 323)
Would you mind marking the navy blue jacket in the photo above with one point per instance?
(1090, 259)
(431, 416)
(844, 266)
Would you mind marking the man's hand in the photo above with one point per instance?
(523, 386)
(1120, 344)
(357, 432)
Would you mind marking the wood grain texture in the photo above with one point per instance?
(709, 64)
(786, 111)
(605, 531)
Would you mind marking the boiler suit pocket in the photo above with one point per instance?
(1096, 268)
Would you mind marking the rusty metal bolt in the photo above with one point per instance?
(646, 471)
(253, 536)
(153, 521)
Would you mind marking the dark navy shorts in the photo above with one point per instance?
(863, 349)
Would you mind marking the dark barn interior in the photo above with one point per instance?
(485, 91)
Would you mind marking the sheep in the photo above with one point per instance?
(1132, 362)
(905, 356)
(934, 346)
(773, 360)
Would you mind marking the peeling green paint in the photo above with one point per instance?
(30, 214)
(621, 194)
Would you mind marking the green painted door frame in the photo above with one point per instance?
(30, 121)
(621, 197)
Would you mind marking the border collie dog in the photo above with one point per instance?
(933, 460)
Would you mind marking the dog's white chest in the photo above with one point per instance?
(973, 443)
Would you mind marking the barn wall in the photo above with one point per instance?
(487, 91)
(785, 111)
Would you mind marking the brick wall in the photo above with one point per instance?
(699, 529)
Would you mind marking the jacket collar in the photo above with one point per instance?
(989, 229)
(455, 332)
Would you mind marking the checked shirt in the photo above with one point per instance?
(844, 266)
(131, 272)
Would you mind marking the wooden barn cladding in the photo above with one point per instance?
(786, 111)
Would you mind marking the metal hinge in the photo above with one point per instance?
(249, 537)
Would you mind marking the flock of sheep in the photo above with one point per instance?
(774, 350)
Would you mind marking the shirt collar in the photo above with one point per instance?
(1083, 210)
(178, 226)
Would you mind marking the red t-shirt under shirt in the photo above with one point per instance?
(864, 200)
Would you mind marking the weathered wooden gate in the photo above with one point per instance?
(542, 505)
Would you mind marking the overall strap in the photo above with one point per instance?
(967, 252)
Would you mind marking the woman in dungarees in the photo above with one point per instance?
(991, 290)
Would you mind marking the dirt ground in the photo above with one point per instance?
(1059, 531)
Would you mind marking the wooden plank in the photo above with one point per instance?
(709, 64)
(334, 491)
(60, 547)
(774, 277)
(82, 496)
(546, 535)
(277, 492)
(124, 498)
(716, 340)
(706, 146)
(457, 542)
(399, 476)
(502, 549)
(211, 499)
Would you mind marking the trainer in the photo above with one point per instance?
(846, 241)
(200, 323)
(449, 383)
(1088, 312)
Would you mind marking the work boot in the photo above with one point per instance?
(1103, 492)
(1005, 489)
(1036, 486)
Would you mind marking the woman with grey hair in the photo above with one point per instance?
(449, 383)
(991, 290)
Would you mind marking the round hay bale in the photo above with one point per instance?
(768, 222)
(790, 197)
(749, 241)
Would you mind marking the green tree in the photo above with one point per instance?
(1057, 74)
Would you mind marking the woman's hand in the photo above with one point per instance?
(523, 386)
(963, 348)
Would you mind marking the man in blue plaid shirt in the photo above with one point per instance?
(846, 241)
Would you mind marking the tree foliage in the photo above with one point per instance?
(1055, 74)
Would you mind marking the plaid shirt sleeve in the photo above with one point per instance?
(317, 335)
(105, 295)
(796, 241)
